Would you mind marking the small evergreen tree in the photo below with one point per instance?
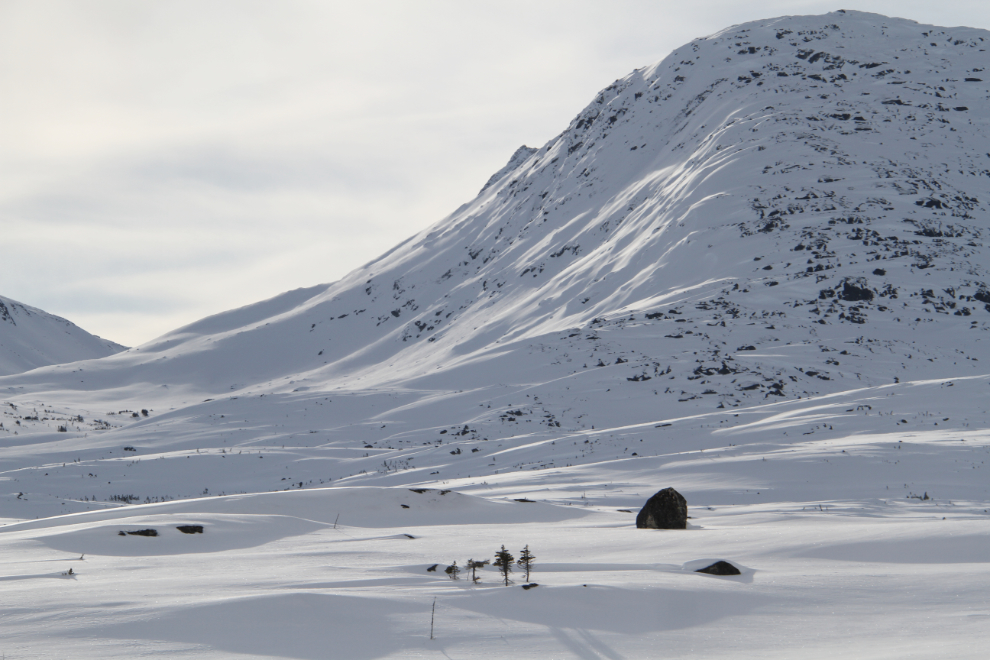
(503, 562)
(473, 566)
(526, 559)
(453, 571)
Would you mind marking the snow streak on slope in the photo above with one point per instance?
(788, 210)
(31, 338)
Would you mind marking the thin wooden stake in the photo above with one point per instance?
(335, 521)
(432, 616)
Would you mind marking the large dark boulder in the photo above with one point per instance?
(665, 510)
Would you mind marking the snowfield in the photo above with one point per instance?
(755, 271)
(893, 580)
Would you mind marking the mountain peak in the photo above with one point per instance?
(32, 338)
(518, 156)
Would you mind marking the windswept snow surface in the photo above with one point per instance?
(755, 272)
(32, 338)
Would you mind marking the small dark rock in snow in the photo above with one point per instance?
(432, 569)
(143, 532)
(530, 586)
(190, 529)
(667, 509)
(719, 568)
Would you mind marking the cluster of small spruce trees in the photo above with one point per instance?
(503, 562)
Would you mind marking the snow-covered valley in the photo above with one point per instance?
(754, 271)
(272, 577)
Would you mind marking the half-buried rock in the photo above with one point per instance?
(665, 510)
(141, 532)
(720, 568)
(190, 529)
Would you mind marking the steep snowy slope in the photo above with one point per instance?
(32, 338)
(787, 210)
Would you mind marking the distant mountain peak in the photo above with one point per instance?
(32, 338)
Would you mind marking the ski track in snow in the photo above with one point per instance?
(754, 271)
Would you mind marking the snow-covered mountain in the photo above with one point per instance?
(755, 271)
(788, 209)
(32, 338)
(820, 175)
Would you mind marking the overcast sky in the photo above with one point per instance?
(161, 161)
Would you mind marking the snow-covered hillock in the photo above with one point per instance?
(32, 338)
